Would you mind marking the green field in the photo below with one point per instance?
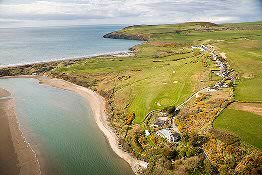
(246, 125)
(144, 82)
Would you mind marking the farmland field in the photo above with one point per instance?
(245, 125)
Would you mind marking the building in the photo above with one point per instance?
(204, 48)
(176, 137)
(169, 135)
(160, 122)
(147, 133)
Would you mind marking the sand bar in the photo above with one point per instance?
(16, 155)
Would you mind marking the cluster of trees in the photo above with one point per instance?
(234, 158)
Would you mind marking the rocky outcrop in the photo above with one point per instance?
(119, 35)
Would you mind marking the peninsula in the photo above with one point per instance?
(186, 101)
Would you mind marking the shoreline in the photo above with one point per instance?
(98, 106)
(77, 58)
(27, 161)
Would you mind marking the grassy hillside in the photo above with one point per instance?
(156, 78)
(189, 33)
(150, 73)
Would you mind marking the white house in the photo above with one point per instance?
(147, 133)
(167, 134)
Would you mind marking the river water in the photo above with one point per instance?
(61, 127)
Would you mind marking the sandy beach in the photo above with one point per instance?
(98, 106)
(16, 155)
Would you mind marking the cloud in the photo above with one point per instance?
(67, 12)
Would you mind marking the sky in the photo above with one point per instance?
(24, 13)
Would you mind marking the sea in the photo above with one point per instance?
(30, 45)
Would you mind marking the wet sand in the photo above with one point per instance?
(4, 93)
(16, 155)
(8, 156)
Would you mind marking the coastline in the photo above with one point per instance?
(27, 157)
(98, 106)
(26, 162)
(210, 151)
